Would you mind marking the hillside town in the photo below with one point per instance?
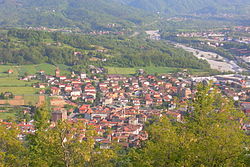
(216, 37)
(124, 83)
(118, 106)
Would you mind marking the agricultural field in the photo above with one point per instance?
(6, 115)
(31, 69)
(24, 89)
(118, 70)
(11, 82)
(151, 70)
(31, 99)
(20, 90)
(14, 82)
(28, 94)
(160, 70)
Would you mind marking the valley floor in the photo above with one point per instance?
(216, 61)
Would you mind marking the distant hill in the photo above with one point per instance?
(84, 14)
(98, 14)
(192, 6)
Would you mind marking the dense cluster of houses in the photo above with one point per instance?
(125, 103)
(118, 90)
(117, 106)
(115, 103)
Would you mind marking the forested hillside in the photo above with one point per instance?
(83, 14)
(34, 47)
(98, 14)
(192, 6)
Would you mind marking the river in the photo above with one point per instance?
(216, 61)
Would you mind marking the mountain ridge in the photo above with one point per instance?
(84, 14)
(88, 14)
(191, 6)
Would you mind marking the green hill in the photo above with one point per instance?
(36, 47)
(83, 14)
(192, 6)
(99, 14)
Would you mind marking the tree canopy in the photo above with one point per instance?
(34, 47)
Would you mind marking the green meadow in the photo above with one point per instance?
(11, 82)
(151, 70)
(20, 90)
(28, 93)
(31, 69)
(7, 115)
(14, 82)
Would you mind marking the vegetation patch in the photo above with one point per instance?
(27, 47)
(14, 82)
(152, 70)
(7, 115)
(20, 90)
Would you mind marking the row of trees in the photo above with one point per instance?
(210, 135)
